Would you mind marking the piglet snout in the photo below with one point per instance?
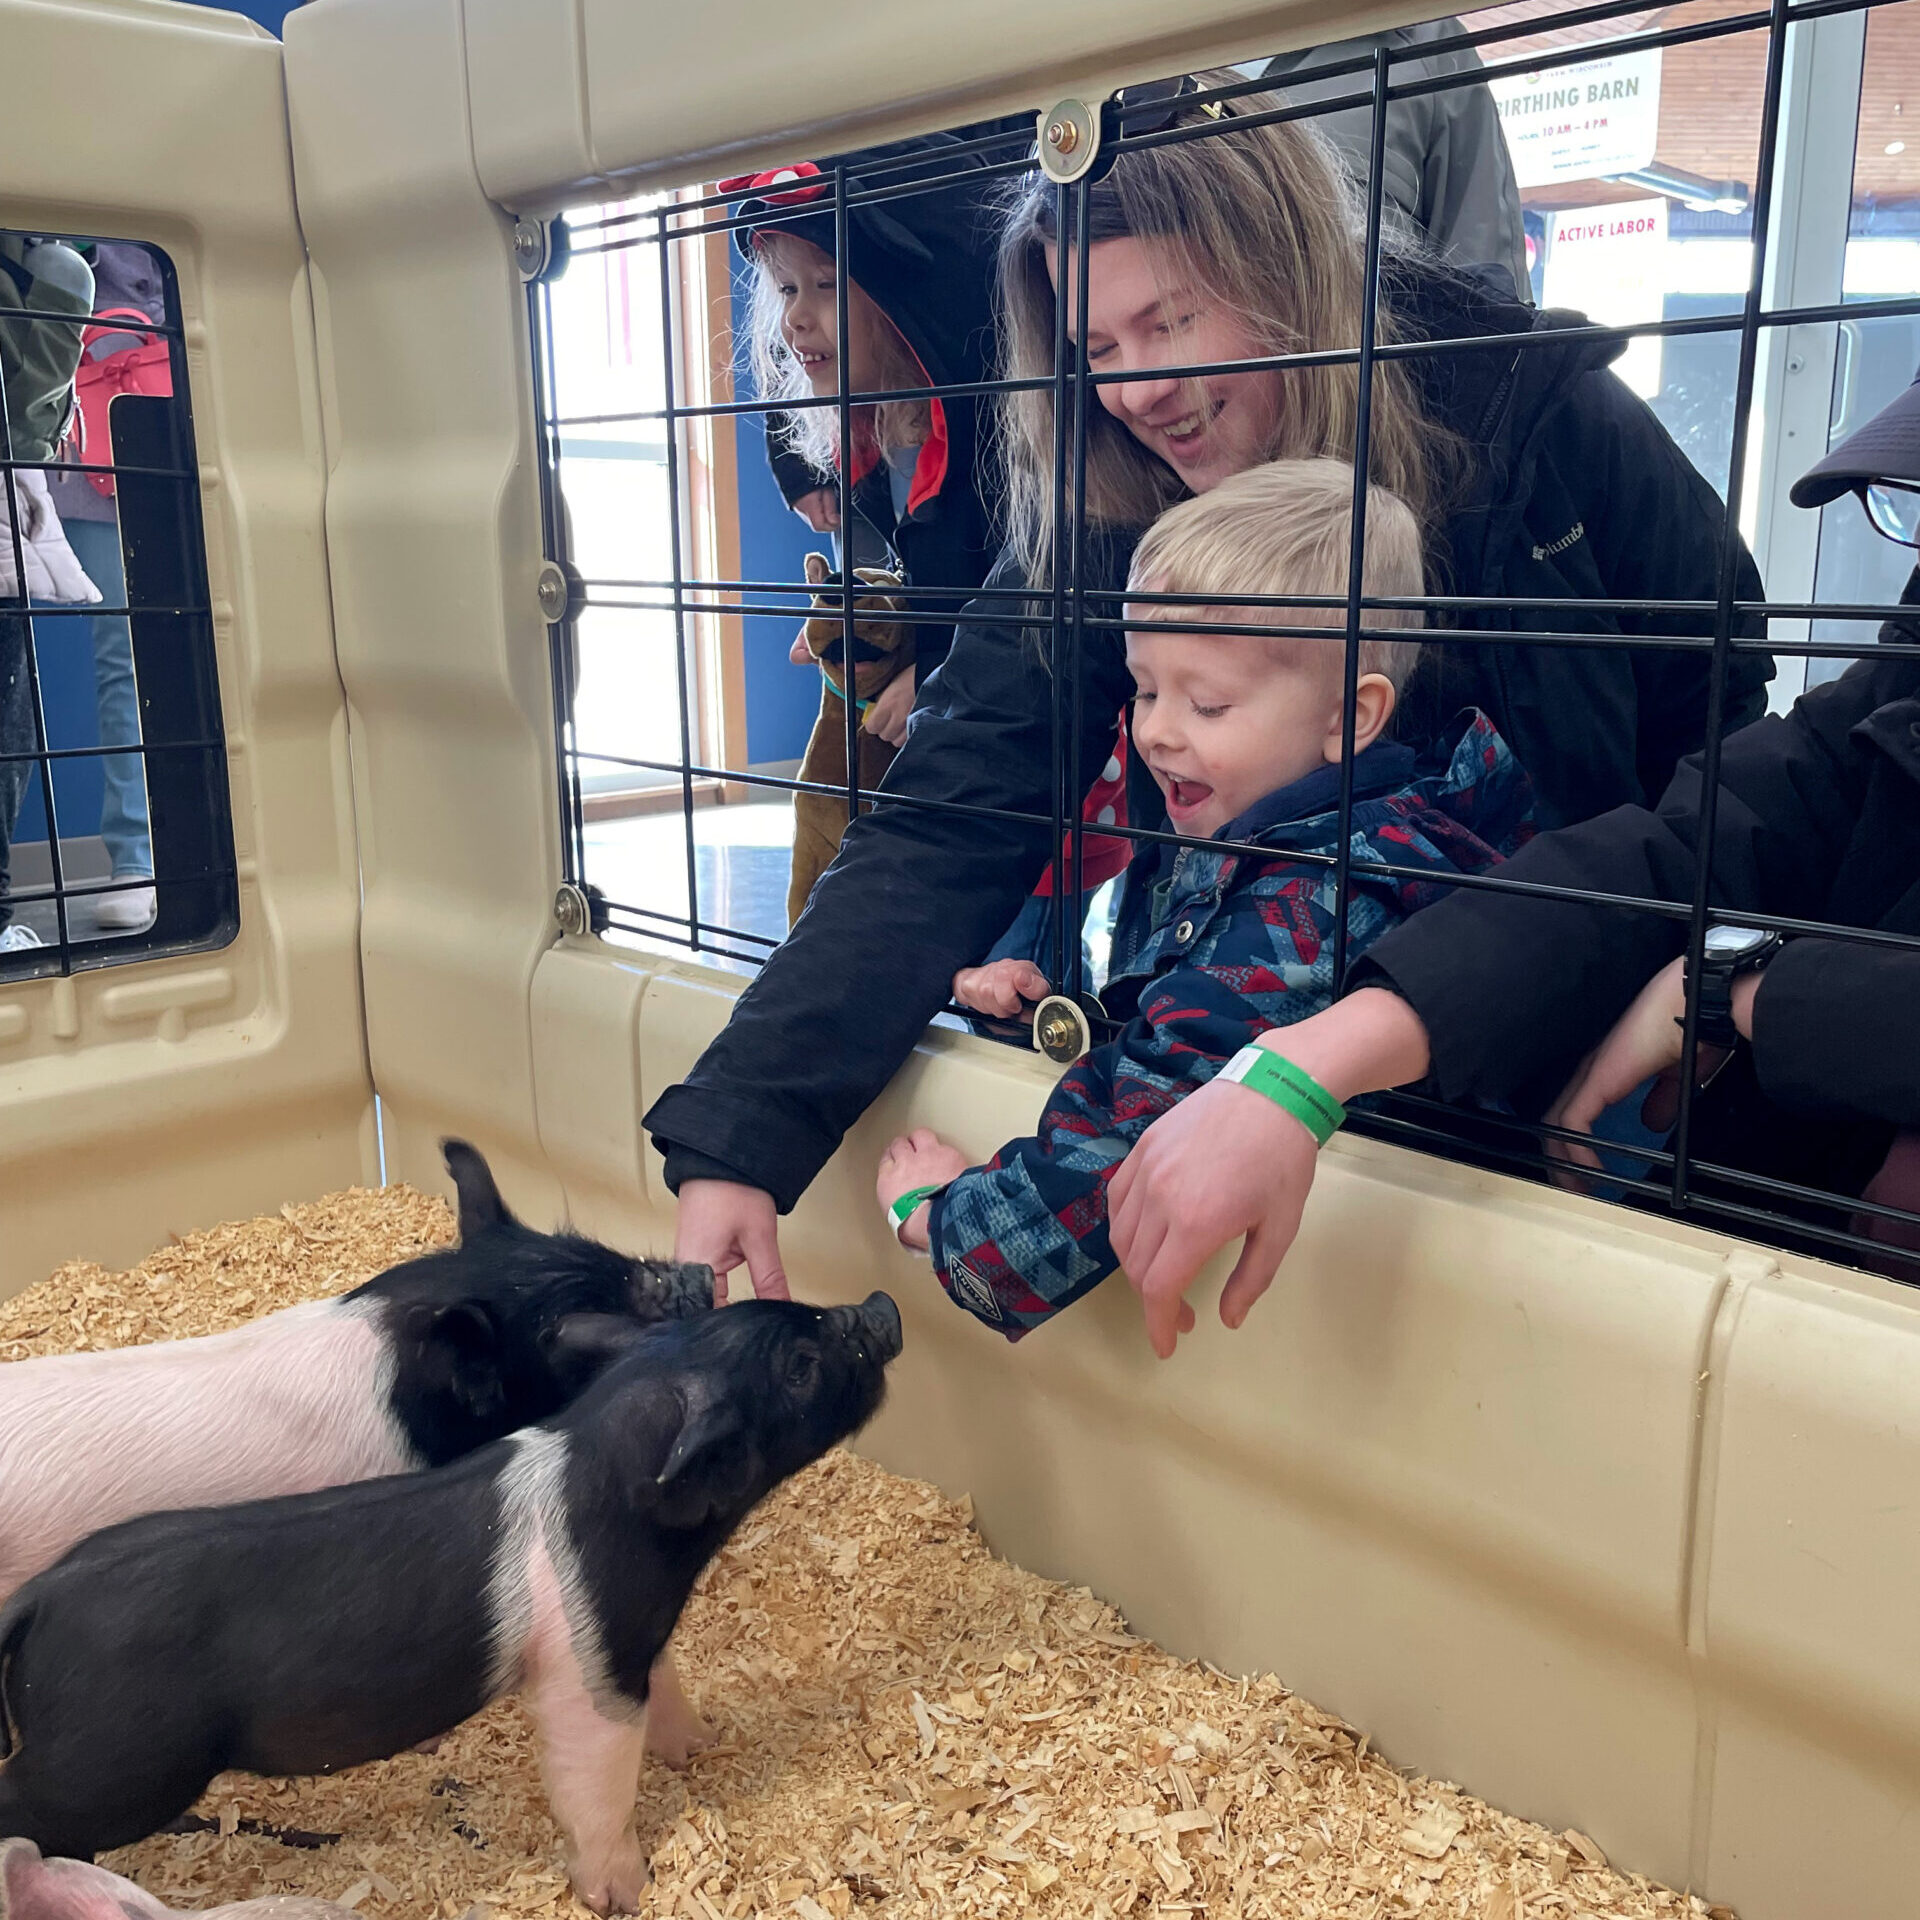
(879, 1320)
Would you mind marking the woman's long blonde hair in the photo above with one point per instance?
(1267, 224)
(814, 431)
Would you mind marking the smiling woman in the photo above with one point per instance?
(1234, 248)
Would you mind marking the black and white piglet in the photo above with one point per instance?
(319, 1631)
(418, 1366)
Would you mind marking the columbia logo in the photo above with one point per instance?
(972, 1291)
(1575, 532)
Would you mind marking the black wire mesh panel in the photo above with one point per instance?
(115, 816)
(1720, 632)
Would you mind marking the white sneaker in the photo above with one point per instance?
(18, 937)
(130, 912)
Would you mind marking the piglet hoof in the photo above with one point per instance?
(620, 1885)
(675, 1742)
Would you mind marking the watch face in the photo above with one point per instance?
(1731, 943)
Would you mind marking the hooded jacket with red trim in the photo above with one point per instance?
(1222, 949)
(926, 259)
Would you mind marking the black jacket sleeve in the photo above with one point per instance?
(915, 893)
(1836, 1030)
(1515, 990)
(793, 473)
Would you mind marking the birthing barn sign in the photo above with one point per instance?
(1590, 121)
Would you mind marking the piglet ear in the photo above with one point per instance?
(710, 1464)
(709, 1425)
(480, 1204)
(35, 1889)
(587, 1342)
(462, 1354)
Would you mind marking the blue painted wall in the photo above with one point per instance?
(269, 13)
(782, 698)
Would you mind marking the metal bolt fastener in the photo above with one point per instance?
(1060, 1030)
(1068, 140)
(570, 911)
(551, 591)
(530, 247)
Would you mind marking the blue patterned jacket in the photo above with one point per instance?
(1209, 953)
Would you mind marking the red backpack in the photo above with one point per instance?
(145, 369)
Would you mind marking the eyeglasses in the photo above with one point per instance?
(1894, 508)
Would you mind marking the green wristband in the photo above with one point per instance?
(901, 1210)
(1288, 1087)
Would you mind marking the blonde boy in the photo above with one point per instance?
(1244, 737)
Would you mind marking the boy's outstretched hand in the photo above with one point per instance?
(1002, 988)
(917, 1159)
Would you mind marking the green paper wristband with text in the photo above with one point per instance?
(1289, 1087)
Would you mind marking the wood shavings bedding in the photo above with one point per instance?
(908, 1725)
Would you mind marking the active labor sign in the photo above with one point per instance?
(1609, 262)
(1589, 121)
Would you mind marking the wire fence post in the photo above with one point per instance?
(668, 335)
(1074, 941)
(1357, 543)
(1065, 550)
(1732, 548)
(562, 633)
(31, 666)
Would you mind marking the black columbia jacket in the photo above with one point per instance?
(1818, 819)
(1558, 445)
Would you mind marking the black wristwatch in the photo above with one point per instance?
(1730, 952)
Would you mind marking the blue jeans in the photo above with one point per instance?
(123, 803)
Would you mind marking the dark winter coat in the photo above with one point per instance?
(1576, 493)
(926, 260)
(1818, 819)
(1449, 177)
(917, 894)
(1219, 951)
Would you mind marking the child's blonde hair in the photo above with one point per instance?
(1287, 528)
(1263, 220)
(814, 431)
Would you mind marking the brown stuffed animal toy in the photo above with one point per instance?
(882, 651)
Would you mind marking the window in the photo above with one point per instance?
(115, 826)
(1747, 276)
